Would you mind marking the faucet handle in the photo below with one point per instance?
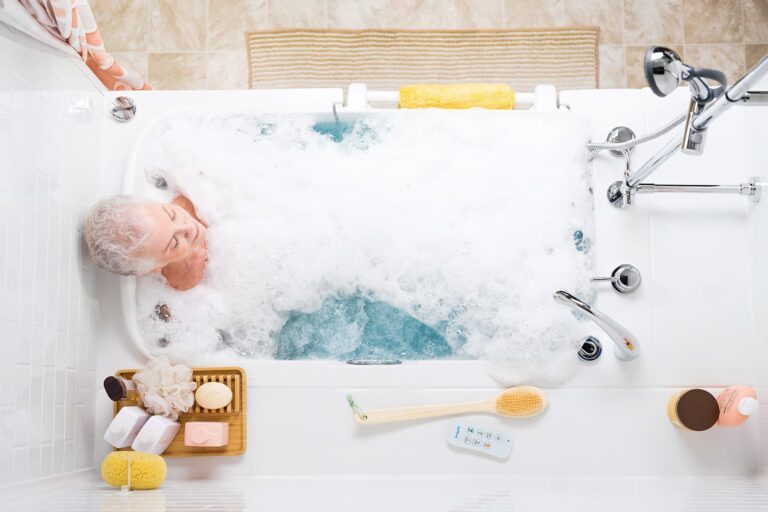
(625, 343)
(625, 278)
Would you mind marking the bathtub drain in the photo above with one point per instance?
(590, 349)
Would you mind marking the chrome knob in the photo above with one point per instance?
(625, 278)
(123, 109)
(618, 135)
(615, 194)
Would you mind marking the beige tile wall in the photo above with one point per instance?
(199, 44)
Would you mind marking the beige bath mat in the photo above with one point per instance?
(387, 59)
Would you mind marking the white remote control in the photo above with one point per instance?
(472, 437)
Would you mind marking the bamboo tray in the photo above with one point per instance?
(234, 413)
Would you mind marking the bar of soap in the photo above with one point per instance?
(206, 433)
(213, 395)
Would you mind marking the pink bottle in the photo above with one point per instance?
(736, 403)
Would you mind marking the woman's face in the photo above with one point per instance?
(173, 233)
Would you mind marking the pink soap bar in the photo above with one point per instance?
(206, 433)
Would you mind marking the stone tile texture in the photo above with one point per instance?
(183, 44)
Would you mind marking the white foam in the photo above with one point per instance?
(467, 216)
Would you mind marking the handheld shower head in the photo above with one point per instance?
(664, 70)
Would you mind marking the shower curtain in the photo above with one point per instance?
(72, 21)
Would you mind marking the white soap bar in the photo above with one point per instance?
(125, 426)
(213, 395)
(157, 434)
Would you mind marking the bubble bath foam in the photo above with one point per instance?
(411, 234)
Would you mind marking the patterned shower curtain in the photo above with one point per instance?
(72, 21)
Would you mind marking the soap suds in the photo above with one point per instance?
(467, 221)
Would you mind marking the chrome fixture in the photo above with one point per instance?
(616, 139)
(621, 134)
(591, 348)
(664, 71)
(123, 109)
(625, 343)
(625, 278)
(621, 194)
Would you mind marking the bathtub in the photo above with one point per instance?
(605, 429)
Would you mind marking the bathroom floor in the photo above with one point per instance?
(205, 48)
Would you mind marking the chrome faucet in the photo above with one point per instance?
(664, 71)
(625, 343)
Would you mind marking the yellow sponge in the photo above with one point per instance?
(492, 96)
(147, 470)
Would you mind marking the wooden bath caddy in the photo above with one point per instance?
(234, 413)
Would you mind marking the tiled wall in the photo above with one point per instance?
(48, 174)
(199, 44)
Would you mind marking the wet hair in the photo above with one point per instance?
(115, 235)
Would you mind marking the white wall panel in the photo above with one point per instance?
(47, 379)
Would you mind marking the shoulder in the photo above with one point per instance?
(185, 275)
(184, 202)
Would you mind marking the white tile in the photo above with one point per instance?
(84, 421)
(69, 456)
(46, 460)
(6, 448)
(36, 384)
(58, 457)
(34, 462)
(70, 410)
(59, 418)
(84, 453)
(60, 390)
(37, 352)
(48, 406)
(20, 464)
(24, 339)
(7, 365)
(22, 386)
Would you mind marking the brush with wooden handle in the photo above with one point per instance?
(517, 402)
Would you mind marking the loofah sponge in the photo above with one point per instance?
(165, 389)
(147, 470)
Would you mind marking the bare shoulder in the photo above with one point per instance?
(189, 206)
(186, 274)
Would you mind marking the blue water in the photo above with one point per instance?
(357, 134)
(354, 327)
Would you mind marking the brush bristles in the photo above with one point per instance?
(521, 402)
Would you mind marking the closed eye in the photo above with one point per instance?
(170, 212)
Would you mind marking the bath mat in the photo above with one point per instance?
(387, 59)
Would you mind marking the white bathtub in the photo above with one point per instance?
(693, 316)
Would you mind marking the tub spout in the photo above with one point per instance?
(625, 343)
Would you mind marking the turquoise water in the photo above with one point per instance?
(354, 327)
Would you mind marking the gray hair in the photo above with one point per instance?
(115, 235)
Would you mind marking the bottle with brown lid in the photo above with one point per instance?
(693, 409)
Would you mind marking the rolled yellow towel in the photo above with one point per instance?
(147, 470)
(491, 96)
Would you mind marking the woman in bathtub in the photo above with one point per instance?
(131, 236)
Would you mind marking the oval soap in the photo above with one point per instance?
(213, 395)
